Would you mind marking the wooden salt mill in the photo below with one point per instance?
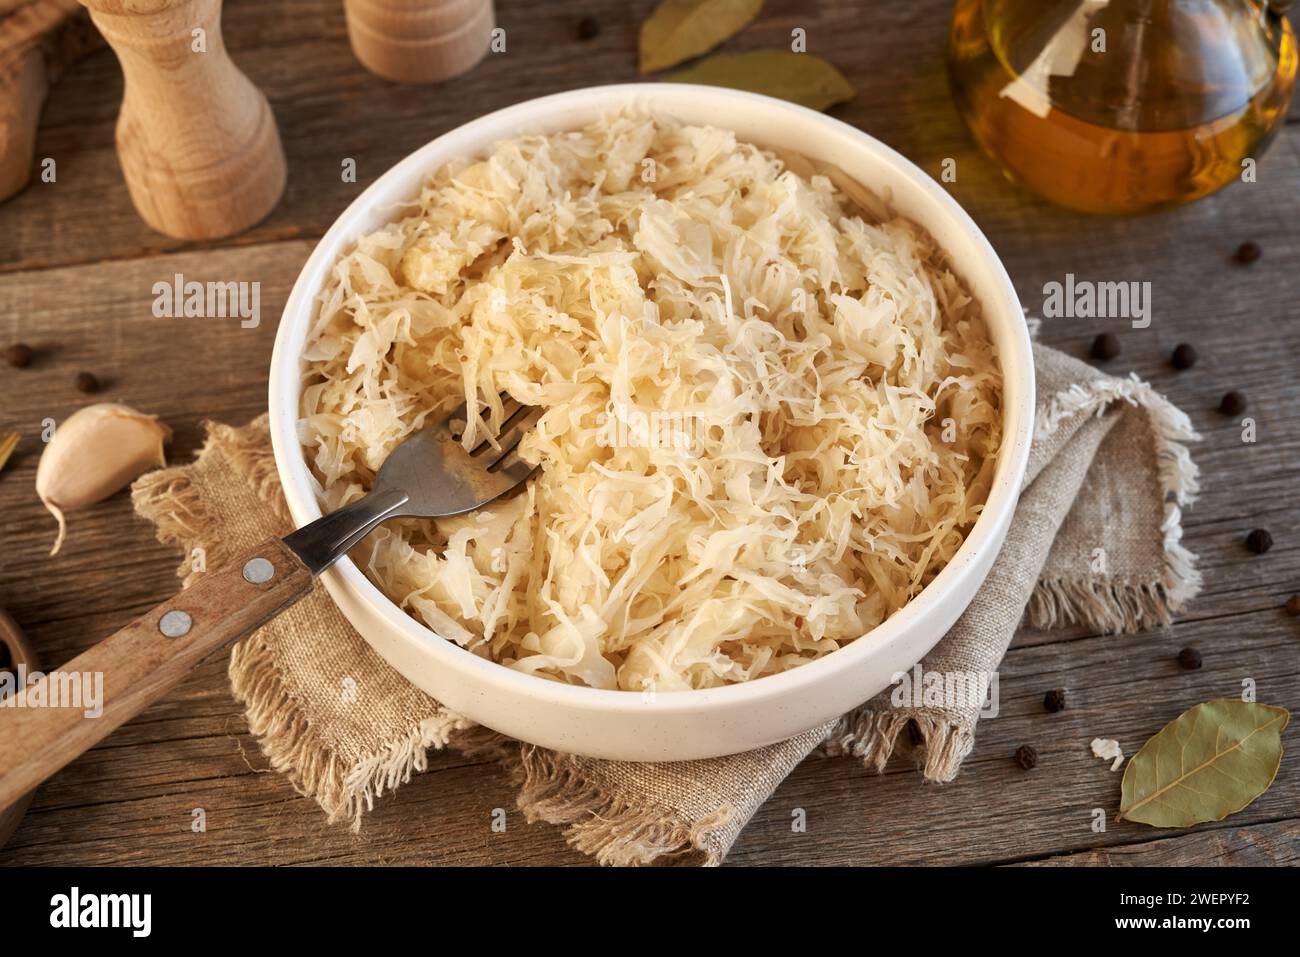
(419, 41)
(197, 142)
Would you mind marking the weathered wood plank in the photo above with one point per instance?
(130, 799)
(104, 324)
(1125, 688)
(1273, 845)
(329, 108)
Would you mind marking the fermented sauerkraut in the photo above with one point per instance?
(771, 415)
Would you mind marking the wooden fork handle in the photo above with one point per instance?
(39, 733)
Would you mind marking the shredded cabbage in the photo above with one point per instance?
(771, 415)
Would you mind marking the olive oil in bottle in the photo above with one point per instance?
(1122, 106)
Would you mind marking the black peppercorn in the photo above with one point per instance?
(1292, 606)
(1232, 403)
(19, 355)
(1189, 658)
(1105, 346)
(1259, 541)
(1184, 356)
(1249, 252)
(1026, 756)
(1054, 700)
(588, 28)
(87, 383)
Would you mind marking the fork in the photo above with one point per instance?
(430, 475)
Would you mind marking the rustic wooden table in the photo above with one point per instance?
(77, 268)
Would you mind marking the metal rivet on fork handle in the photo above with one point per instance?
(174, 624)
(258, 571)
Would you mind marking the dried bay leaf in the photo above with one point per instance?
(799, 77)
(1209, 762)
(680, 29)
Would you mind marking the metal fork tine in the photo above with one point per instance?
(461, 412)
(515, 414)
(457, 414)
(429, 476)
(511, 467)
(514, 434)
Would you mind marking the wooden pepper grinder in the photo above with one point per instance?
(197, 141)
(419, 41)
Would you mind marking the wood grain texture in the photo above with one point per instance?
(14, 653)
(131, 669)
(76, 271)
(1270, 845)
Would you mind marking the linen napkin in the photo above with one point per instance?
(1095, 540)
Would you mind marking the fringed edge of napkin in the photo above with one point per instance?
(1124, 608)
(170, 500)
(872, 736)
(942, 745)
(597, 820)
(344, 791)
(615, 830)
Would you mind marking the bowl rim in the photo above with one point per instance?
(284, 392)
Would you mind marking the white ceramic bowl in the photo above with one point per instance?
(686, 724)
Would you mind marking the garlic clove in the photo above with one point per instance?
(96, 451)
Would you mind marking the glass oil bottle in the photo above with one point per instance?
(1122, 106)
